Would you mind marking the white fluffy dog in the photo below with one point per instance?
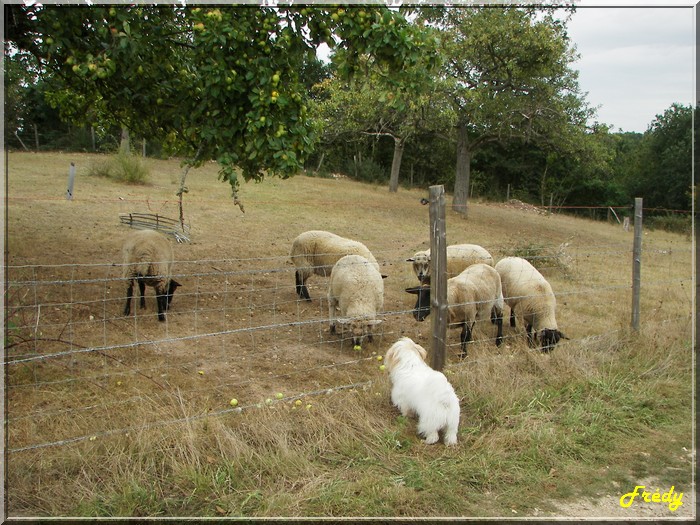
(417, 389)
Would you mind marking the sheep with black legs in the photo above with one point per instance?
(148, 260)
(356, 292)
(317, 251)
(458, 258)
(473, 295)
(526, 289)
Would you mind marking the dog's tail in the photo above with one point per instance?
(446, 397)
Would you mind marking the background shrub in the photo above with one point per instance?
(122, 167)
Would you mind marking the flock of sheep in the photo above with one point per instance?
(476, 288)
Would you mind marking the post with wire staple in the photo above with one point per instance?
(637, 263)
(71, 179)
(438, 280)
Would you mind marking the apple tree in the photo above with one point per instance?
(217, 83)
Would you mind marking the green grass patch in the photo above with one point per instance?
(122, 167)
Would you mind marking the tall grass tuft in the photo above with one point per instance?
(122, 167)
(545, 256)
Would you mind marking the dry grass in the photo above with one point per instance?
(158, 438)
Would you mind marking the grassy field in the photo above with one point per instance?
(114, 416)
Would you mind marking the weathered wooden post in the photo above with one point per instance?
(20, 141)
(71, 179)
(637, 263)
(438, 279)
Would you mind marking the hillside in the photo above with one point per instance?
(115, 416)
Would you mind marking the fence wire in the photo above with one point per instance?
(78, 369)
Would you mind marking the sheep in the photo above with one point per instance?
(473, 295)
(459, 257)
(525, 288)
(148, 259)
(316, 251)
(356, 290)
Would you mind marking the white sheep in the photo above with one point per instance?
(459, 257)
(148, 259)
(356, 291)
(473, 295)
(526, 288)
(317, 251)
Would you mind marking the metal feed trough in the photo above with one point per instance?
(154, 221)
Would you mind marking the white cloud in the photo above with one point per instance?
(635, 62)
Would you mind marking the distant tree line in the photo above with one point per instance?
(655, 165)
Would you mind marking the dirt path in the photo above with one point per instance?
(608, 506)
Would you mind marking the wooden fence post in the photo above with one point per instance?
(438, 279)
(637, 263)
(20, 141)
(71, 179)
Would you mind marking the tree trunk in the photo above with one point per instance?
(183, 189)
(124, 146)
(462, 170)
(396, 164)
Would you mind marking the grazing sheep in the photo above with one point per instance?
(459, 257)
(525, 288)
(148, 259)
(356, 290)
(473, 295)
(316, 251)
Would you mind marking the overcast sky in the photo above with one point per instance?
(635, 61)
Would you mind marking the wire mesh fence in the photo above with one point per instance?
(78, 369)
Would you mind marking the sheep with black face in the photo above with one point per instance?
(473, 295)
(148, 260)
(526, 289)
